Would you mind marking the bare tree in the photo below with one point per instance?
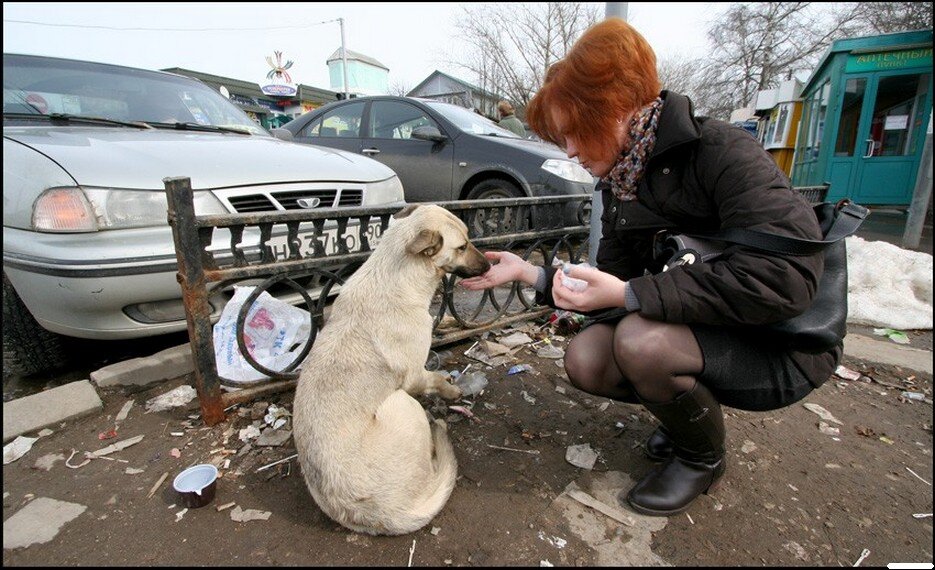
(679, 74)
(891, 17)
(755, 45)
(513, 44)
(399, 88)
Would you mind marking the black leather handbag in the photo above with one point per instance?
(824, 324)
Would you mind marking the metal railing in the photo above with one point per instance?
(309, 253)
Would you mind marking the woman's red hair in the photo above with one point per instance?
(609, 72)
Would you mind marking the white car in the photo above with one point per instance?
(87, 249)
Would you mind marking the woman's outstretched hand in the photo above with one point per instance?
(603, 291)
(505, 267)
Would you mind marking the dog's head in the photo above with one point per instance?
(442, 238)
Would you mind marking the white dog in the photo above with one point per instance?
(370, 457)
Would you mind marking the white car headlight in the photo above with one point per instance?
(75, 209)
(568, 170)
(384, 192)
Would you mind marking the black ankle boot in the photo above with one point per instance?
(696, 427)
(659, 445)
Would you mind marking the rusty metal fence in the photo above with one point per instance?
(305, 255)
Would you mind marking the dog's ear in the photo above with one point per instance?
(405, 211)
(427, 243)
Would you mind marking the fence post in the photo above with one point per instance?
(191, 278)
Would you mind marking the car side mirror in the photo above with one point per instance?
(428, 133)
(282, 134)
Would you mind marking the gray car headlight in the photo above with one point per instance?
(75, 209)
(568, 170)
(384, 192)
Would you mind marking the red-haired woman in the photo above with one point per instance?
(684, 341)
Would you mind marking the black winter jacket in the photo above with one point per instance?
(705, 175)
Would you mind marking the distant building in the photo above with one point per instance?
(269, 111)
(443, 87)
(365, 75)
(779, 111)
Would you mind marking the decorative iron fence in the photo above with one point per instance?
(306, 255)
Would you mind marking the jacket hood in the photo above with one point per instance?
(141, 159)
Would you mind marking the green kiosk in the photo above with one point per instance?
(865, 112)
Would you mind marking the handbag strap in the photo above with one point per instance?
(848, 217)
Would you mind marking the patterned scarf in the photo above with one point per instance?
(626, 174)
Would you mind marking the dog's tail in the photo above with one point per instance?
(439, 488)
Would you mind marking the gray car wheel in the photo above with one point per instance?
(27, 347)
(479, 222)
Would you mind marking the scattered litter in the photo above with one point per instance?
(47, 461)
(922, 515)
(120, 445)
(793, 487)
(462, 410)
(545, 564)
(124, 412)
(528, 398)
(248, 433)
(490, 353)
(277, 416)
(885, 439)
(472, 383)
(530, 451)
(412, 550)
(581, 455)
(748, 446)
(899, 337)
(110, 434)
(171, 399)
(603, 406)
(847, 373)
(913, 395)
(180, 514)
(863, 555)
(823, 413)
(832, 466)
(133, 471)
(177, 433)
(174, 452)
(225, 506)
(45, 432)
(17, 448)
(826, 429)
(273, 438)
(246, 515)
(267, 466)
(796, 549)
(435, 530)
(550, 351)
(156, 486)
(560, 389)
(609, 510)
(689, 518)
(518, 369)
(516, 339)
(82, 464)
(553, 540)
(917, 477)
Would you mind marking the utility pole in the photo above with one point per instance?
(921, 195)
(611, 10)
(347, 94)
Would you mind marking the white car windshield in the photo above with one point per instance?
(471, 122)
(84, 90)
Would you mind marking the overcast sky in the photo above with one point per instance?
(234, 39)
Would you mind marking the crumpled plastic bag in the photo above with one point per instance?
(274, 332)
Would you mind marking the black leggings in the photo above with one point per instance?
(661, 360)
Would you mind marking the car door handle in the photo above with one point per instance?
(371, 151)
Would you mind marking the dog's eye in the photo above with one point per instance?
(463, 248)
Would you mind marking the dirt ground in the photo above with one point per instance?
(792, 495)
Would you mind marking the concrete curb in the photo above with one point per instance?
(47, 408)
(887, 352)
(165, 365)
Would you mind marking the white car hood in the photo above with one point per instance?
(140, 159)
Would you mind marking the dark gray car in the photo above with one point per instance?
(442, 151)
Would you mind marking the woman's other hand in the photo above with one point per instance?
(603, 291)
(505, 267)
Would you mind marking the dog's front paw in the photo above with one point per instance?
(449, 391)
